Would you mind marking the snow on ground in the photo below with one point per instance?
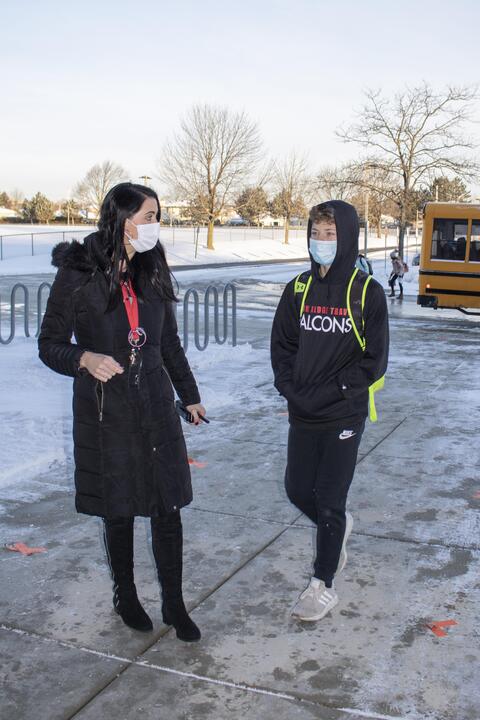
(282, 273)
(36, 417)
(234, 244)
(35, 412)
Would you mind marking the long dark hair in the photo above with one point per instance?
(121, 203)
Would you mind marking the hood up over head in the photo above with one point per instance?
(346, 221)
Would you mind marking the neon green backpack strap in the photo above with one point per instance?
(302, 287)
(360, 335)
(374, 387)
(299, 284)
(359, 332)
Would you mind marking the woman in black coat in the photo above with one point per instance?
(114, 293)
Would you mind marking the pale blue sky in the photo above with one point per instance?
(81, 83)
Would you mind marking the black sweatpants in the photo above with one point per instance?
(320, 468)
(392, 279)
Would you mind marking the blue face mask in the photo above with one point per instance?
(323, 251)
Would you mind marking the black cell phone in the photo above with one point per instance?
(186, 415)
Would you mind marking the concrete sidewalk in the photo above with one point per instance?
(413, 560)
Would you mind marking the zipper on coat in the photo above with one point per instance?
(99, 399)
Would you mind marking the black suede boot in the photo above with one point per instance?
(118, 537)
(167, 545)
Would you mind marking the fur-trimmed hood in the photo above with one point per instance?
(83, 256)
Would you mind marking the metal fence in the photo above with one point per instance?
(35, 315)
(191, 239)
(14, 245)
(32, 243)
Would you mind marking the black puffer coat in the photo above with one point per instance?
(130, 454)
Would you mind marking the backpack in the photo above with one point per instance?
(364, 264)
(355, 300)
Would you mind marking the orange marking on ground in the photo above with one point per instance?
(437, 625)
(24, 549)
(196, 463)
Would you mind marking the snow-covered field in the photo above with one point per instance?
(235, 244)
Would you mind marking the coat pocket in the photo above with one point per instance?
(171, 473)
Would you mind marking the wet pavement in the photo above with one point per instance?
(414, 560)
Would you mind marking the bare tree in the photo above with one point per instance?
(208, 160)
(334, 183)
(17, 197)
(346, 183)
(90, 192)
(418, 134)
(293, 187)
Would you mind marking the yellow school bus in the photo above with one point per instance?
(450, 259)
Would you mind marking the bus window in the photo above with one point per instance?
(449, 239)
(475, 242)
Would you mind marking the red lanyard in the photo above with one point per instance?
(131, 306)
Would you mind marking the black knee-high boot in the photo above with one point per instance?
(167, 545)
(118, 537)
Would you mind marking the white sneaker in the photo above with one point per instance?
(315, 602)
(343, 552)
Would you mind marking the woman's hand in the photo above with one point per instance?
(102, 367)
(196, 410)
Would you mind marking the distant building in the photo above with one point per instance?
(175, 212)
(8, 214)
(179, 212)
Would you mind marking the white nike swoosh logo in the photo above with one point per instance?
(346, 434)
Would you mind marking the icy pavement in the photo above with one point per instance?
(413, 555)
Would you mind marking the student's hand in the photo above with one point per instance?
(195, 410)
(102, 367)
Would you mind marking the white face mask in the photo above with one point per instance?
(148, 235)
(323, 251)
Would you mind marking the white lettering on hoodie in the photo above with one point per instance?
(326, 323)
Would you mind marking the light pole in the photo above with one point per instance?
(145, 179)
(366, 181)
(365, 238)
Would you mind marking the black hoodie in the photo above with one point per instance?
(318, 364)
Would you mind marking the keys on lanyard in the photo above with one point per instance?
(134, 368)
(137, 337)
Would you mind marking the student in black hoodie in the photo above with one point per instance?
(329, 351)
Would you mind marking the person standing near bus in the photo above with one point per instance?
(114, 292)
(398, 270)
(328, 373)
